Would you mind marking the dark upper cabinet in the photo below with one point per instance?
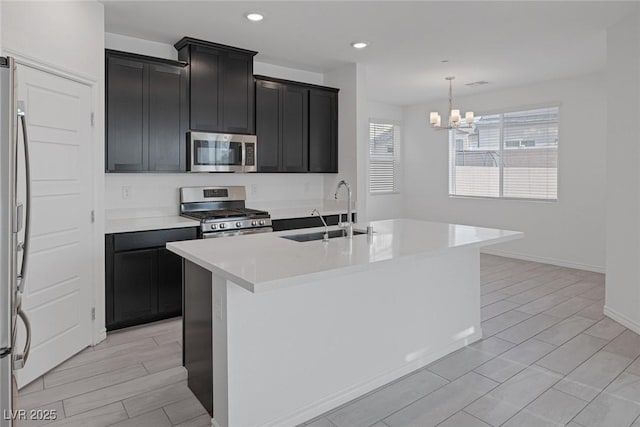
(168, 116)
(268, 124)
(323, 131)
(282, 127)
(296, 126)
(221, 86)
(127, 135)
(146, 113)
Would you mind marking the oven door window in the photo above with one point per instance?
(217, 153)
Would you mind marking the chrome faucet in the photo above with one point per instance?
(325, 236)
(349, 224)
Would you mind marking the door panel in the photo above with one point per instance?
(323, 131)
(237, 96)
(169, 282)
(59, 286)
(167, 151)
(268, 126)
(134, 284)
(295, 128)
(205, 89)
(127, 145)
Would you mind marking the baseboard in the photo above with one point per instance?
(622, 319)
(100, 336)
(344, 396)
(544, 260)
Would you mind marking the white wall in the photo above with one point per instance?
(623, 173)
(353, 129)
(67, 35)
(162, 50)
(386, 206)
(570, 231)
(158, 193)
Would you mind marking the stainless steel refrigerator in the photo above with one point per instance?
(14, 237)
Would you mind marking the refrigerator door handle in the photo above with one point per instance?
(27, 222)
(20, 359)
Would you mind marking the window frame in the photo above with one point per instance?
(397, 150)
(501, 112)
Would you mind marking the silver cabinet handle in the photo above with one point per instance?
(27, 222)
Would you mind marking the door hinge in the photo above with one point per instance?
(93, 118)
(93, 216)
(93, 313)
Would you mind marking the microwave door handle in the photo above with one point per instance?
(27, 222)
(243, 163)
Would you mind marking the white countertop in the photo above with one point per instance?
(262, 262)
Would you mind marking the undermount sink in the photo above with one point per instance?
(308, 237)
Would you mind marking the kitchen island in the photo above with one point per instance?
(278, 331)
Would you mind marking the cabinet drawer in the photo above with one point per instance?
(152, 239)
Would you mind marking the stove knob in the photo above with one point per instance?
(213, 226)
(223, 225)
(262, 222)
(254, 223)
(238, 224)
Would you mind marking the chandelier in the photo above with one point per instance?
(454, 115)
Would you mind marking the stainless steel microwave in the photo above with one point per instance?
(221, 152)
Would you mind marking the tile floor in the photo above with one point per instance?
(549, 358)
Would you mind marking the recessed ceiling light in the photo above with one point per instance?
(359, 45)
(254, 16)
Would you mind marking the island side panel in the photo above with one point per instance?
(295, 353)
(197, 332)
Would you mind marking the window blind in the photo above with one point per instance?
(509, 155)
(383, 157)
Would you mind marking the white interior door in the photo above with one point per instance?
(58, 291)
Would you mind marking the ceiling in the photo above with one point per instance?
(507, 43)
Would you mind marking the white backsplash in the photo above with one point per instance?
(158, 194)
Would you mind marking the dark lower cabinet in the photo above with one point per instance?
(308, 222)
(169, 273)
(143, 278)
(135, 294)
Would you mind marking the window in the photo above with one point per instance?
(384, 140)
(507, 155)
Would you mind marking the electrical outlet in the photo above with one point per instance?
(126, 192)
(254, 189)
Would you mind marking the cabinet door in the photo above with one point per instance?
(135, 291)
(323, 131)
(167, 111)
(295, 128)
(169, 282)
(238, 108)
(204, 91)
(268, 125)
(127, 138)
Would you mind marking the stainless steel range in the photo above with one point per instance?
(222, 212)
